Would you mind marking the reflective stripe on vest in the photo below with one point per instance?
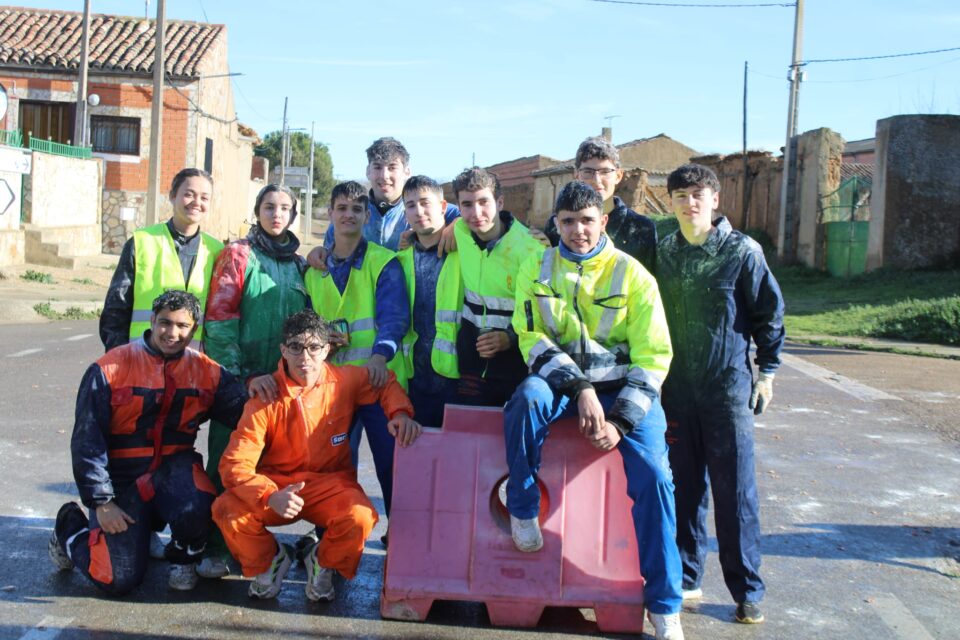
(157, 269)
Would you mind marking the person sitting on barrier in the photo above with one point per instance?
(138, 411)
(492, 245)
(289, 460)
(597, 163)
(436, 298)
(592, 329)
(719, 293)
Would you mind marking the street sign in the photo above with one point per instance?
(294, 177)
(7, 197)
(15, 160)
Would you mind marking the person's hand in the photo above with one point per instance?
(762, 393)
(405, 429)
(317, 258)
(406, 239)
(112, 518)
(448, 241)
(492, 342)
(286, 502)
(263, 387)
(591, 413)
(607, 438)
(540, 237)
(377, 368)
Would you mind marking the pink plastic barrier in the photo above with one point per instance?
(450, 533)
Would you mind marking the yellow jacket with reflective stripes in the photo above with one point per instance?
(449, 300)
(599, 321)
(158, 269)
(358, 306)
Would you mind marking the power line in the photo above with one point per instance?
(892, 55)
(700, 5)
(855, 80)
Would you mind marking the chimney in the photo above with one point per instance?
(607, 134)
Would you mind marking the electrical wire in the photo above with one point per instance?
(855, 80)
(892, 55)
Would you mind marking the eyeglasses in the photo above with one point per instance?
(297, 348)
(592, 173)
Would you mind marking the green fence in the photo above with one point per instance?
(60, 149)
(11, 138)
(846, 220)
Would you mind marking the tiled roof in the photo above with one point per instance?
(50, 40)
(858, 169)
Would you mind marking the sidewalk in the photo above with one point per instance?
(880, 344)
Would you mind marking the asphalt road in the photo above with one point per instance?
(860, 513)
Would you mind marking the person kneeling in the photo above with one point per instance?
(290, 460)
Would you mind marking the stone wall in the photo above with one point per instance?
(915, 204)
(820, 154)
(63, 191)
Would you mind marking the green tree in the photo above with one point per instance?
(299, 155)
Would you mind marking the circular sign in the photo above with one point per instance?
(3, 101)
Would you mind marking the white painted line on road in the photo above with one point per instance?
(896, 616)
(79, 336)
(47, 629)
(835, 380)
(25, 352)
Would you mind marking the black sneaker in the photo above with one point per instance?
(305, 545)
(70, 520)
(749, 613)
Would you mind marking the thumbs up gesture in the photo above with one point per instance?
(286, 502)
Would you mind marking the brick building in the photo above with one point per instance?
(39, 70)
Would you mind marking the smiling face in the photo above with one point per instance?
(580, 230)
(304, 355)
(424, 211)
(347, 217)
(694, 207)
(190, 204)
(387, 179)
(601, 174)
(481, 212)
(171, 331)
(274, 213)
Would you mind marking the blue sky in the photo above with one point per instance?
(502, 79)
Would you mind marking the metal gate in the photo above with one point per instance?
(846, 220)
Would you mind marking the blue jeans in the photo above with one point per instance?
(370, 418)
(526, 421)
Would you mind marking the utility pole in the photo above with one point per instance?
(283, 143)
(786, 216)
(746, 168)
(80, 125)
(156, 117)
(309, 199)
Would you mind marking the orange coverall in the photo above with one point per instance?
(302, 436)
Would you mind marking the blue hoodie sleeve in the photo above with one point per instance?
(88, 445)
(451, 214)
(393, 309)
(328, 238)
(764, 303)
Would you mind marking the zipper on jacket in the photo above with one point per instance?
(576, 308)
(303, 423)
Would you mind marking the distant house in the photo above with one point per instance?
(39, 70)
(860, 151)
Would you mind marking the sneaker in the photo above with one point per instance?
(70, 520)
(526, 534)
(319, 579)
(304, 545)
(213, 567)
(692, 594)
(158, 548)
(183, 577)
(666, 625)
(267, 584)
(749, 613)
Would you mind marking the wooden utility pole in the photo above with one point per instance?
(786, 218)
(309, 199)
(156, 118)
(80, 121)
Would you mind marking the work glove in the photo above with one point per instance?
(762, 393)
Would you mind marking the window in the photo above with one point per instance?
(109, 134)
(208, 156)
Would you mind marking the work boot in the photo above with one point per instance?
(183, 577)
(319, 579)
(749, 613)
(666, 625)
(526, 534)
(267, 584)
(70, 521)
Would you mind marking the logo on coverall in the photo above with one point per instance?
(338, 439)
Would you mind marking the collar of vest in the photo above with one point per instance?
(355, 259)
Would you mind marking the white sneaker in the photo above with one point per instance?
(319, 579)
(213, 567)
(692, 594)
(157, 546)
(183, 577)
(666, 625)
(267, 584)
(526, 534)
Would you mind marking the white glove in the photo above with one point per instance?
(762, 393)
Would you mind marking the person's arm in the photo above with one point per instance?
(392, 398)
(228, 400)
(118, 305)
(221, 324)
(392, 314)
(88, 444)
(238, 464)
(764, 309)
(648, 246)
(650, 353)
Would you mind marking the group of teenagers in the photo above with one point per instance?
(411, 304)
